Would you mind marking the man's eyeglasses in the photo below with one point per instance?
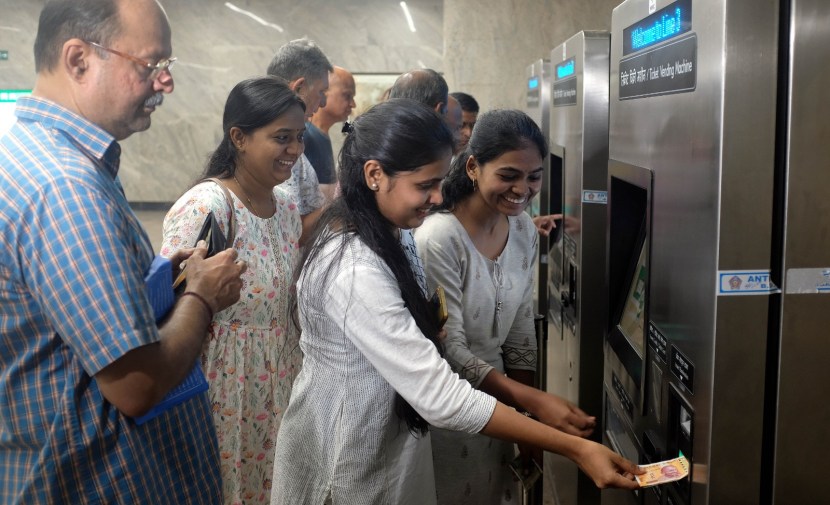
(154, 69)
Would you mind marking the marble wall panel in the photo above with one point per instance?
(482, 46)
(488, 44)
(218, 46)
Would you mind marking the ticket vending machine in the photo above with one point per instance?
(691, 178)
(576, 256)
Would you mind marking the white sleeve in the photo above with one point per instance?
(365, 301)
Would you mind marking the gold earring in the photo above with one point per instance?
(475, 185)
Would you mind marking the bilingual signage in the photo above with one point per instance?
(665, 69)
(683, 369)
(657, 341)
(564, 92)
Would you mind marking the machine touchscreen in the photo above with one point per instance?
(631, 320)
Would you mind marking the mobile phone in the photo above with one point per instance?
(440, 304)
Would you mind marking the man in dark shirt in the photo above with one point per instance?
(338, 107)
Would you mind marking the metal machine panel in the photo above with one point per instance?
(579, 140)
(802, 439)
(692, 99)
(538, 107)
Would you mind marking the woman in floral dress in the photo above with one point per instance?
(252, 355)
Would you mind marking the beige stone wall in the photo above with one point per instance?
(482, 46)
(217, 47)
(488, 44)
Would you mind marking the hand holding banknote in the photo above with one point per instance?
(663, 472)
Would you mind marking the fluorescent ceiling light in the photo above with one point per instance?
(408, 16)
(254, 17)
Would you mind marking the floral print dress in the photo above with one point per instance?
(252, 354)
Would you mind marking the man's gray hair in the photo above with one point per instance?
(300, 58)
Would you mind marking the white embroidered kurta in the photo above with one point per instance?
(490, 326)
(340, 435)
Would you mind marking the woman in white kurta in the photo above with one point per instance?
(252, 354)
(372, 380)
(480, 247)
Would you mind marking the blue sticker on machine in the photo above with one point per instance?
(745, 282)
(599, 197)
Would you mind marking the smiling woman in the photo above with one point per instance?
(373, 379)
(480, 249)
(252, 356)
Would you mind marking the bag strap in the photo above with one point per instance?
(231, 235)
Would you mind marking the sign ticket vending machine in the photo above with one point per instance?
(576, 257)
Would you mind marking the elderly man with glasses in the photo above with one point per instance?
(82, 357)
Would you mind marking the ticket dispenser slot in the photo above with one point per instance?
(569, 298)
(652, 453)
(679, 440)
(618, 436)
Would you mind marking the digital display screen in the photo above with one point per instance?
(533, 83)
(8, 99)
(565, 69)
(667, 23)
(632, 319)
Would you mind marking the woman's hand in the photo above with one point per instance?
(607, 468)
(563, 415)
(546, 224)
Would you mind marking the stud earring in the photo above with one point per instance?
(374, 186)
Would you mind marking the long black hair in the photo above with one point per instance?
(251, 104)
(402, 135)
(496, 132)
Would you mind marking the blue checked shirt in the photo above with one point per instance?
(72, 301)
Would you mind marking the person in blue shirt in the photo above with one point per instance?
(81, 354)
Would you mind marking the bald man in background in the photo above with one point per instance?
(453, 118)
(338, 107)
(423, 85)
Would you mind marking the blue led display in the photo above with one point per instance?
(565, 69)
(533, 83)
(667, 23)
